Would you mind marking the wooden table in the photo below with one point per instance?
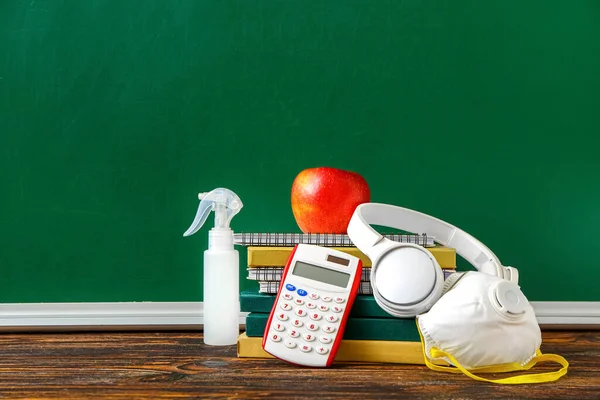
(151, 365)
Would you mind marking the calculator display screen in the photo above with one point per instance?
(321, 274)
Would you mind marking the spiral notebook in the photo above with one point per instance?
(321, 239)
(271, 287)
(275, 273)
(364, 287)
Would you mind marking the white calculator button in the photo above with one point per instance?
(339, 299)
(325, 339)
(285, 306)
(289, 343)
(278, 327)
(313, 296)
(288, 296)
(312, 326)
(293, 333)
(282, 317)
(329, 328)
(323, 307)
(322, 350)
(332, 318)
(327, 299)
(315, 316)
(309, 337)
(305, 348)
(275, 337)
(299, 301)
(297, 323)
(311, 305)
(301, 312)
(337, 309)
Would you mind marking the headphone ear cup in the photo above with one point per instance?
(406, 280)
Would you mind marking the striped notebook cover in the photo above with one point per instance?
(321, 239)
(271, 287)
(274, 274)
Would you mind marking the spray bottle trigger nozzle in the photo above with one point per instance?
(224, 202)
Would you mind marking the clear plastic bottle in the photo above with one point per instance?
(221, 267)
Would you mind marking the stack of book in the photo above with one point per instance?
(371, 334)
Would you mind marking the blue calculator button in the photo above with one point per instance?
(291, 287)
(302, 292)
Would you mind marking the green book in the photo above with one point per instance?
(357, 328)
(364, 305)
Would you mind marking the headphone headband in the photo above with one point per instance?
(364, 236)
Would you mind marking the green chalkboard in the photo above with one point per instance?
(114, 114)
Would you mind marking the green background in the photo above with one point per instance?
(114, 114)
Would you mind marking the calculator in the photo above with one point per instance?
(317, 290)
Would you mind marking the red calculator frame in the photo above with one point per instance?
(338, 339)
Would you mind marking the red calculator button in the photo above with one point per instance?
(323, 307)
(309, 337)
(332, 318)
(339, 299)
(301, 312)
(282, 317)
(285, 306)
(305, 348)
(311, 305)
(313, 296)
(288, 296)
(322, 350)
(312, 326)
(297, 323)
(289, 343)
(329, 328)
(299, 301)
(293, 333)
(327, 299)
(275, 337)
(278, 327)
(337, 309)
(315, 316)
(325, 339)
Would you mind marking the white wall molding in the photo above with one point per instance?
(567, 313)
(189, 316)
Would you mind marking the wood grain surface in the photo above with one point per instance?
(151, 365)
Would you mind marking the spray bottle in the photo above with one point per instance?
(221, 267)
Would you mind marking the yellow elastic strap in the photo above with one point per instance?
(508, 367)
(513, 380)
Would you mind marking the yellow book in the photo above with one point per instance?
(277, 256)
(381, 351)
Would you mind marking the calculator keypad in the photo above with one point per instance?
(300, 329)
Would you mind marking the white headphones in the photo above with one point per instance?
(406, 279)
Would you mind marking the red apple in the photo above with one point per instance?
(324, 199)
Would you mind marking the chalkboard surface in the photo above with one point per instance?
(114, 114)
